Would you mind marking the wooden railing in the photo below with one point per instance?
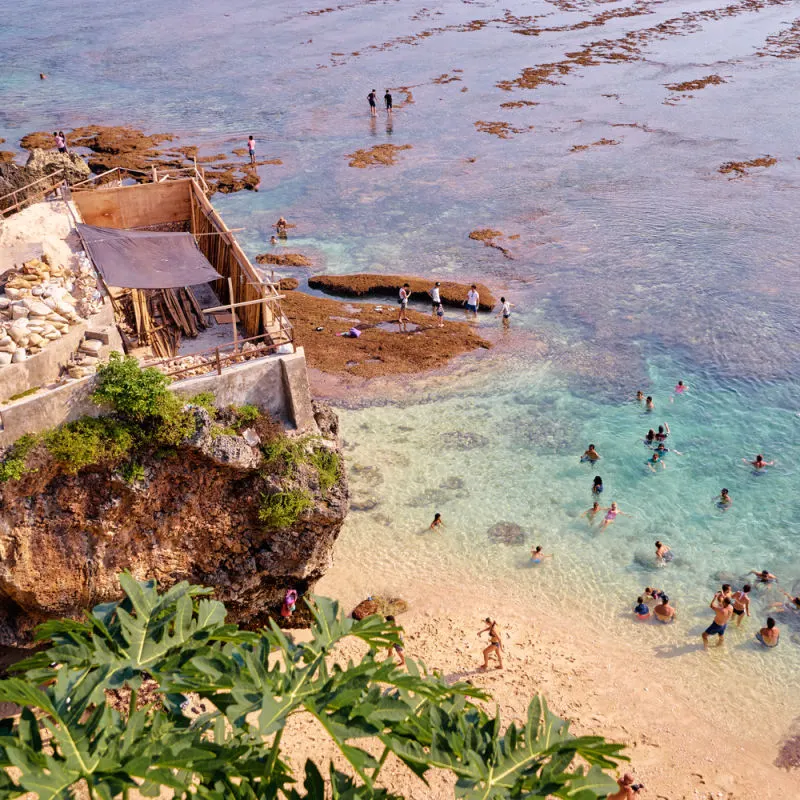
(116, 175)
(215, 359)
(31, 192)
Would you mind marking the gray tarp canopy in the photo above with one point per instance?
(146, 259)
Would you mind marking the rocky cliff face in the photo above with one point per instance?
(40, 163)
(186, 513)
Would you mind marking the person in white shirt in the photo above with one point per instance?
(505, 310)
(473, 299)
(435, 298)
(405, 293)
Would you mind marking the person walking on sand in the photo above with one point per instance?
(741, 603)
(495, 644)
(397, 648)
(472, 301)
(769, 635)
(627, 788)
(611, 515)
(405, 293)
(437, 523)
(723, 611)
(371, 97)
(387, 99)
(436, 298)
(505, 310)
(251, 149)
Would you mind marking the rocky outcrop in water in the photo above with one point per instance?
(194, 512)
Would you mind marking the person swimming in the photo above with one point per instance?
(662, 450)
(537, 556)
(664, 612)
(650, 438)
(592, 512)
(680, 387)
(437, 523)
(611, 515)
(653, 462)
(649, 405)
(663, 432)
(639, 396)
(663, 554)
(651, 593)
(642, 610)
(759, 465)
(724, 501)
(770, 635)
(597, 485)
(590, 454)
(765, 576)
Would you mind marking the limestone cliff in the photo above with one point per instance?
(193, 512)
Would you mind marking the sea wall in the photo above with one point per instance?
(278, 384)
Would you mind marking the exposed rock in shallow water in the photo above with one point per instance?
(507, 533)
(191, 514)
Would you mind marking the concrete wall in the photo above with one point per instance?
(45, 410)
(135, 206)
(45, 367)
(278, 384)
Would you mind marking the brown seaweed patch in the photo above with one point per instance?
(284, 259)
(741, 167)
(489, 237)
(785, 44)
(445, 78)
(576, 148)
(503, 130)
(382, 155)
(518, 104)
(695, 85)
(6, 156)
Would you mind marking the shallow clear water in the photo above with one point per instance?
(638, 264)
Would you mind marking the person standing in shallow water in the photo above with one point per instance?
(371, 97)
(723, 611)
(251, 149)
(387, 99)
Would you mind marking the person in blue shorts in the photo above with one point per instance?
(723, 611)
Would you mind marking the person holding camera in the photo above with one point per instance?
(627, 788)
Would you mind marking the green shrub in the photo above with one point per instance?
(282, 509)
(132, 472)
(220, 430)
(329, 467)
(205, 400)
(171, 423)
(246, 414)
(284, 454)
(12, 467)
(89, 441)
(134, 393)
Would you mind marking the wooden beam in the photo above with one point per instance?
(228, 306)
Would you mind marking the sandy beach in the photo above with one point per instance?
(682, 740)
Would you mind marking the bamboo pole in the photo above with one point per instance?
(233, 312)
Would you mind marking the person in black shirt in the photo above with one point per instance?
(387, 98)
(371, 98)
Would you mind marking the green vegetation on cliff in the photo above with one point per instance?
(105, 713)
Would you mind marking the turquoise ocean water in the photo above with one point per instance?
(637, 263)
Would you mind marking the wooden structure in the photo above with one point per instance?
(180, 203)
(32, 192)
